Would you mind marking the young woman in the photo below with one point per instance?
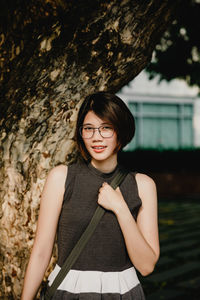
(125, 240)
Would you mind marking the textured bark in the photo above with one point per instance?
(53, 53)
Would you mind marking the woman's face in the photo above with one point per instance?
(99, 148)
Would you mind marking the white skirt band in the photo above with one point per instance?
(96, 281)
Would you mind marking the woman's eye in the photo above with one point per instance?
(107, 128)
(88, 128)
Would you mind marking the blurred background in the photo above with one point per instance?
(167, 138)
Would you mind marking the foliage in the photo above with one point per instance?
(178, 53)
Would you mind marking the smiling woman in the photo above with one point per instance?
(126, 238)
(100, 140)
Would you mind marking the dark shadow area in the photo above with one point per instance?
(176, 173)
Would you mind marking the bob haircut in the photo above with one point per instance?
(111, 109)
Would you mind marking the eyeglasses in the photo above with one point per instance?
(87, 132)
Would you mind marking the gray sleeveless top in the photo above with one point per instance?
(106, 249)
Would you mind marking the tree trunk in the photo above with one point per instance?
(53, 53)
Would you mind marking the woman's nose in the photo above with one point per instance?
(97, 133)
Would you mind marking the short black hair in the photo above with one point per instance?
(112, 109)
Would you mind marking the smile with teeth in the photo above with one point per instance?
(99, 147)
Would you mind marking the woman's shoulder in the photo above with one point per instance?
(146, 185)
(58, 173)
(144, 179)
(54, 186)
(61, 172)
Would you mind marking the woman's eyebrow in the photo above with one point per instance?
(104, 123)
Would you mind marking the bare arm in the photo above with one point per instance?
(141, 237)
(50, 206)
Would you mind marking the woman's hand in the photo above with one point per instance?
(111, 199)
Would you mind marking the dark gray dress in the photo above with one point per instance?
(103, 270)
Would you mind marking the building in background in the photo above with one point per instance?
(167, 114)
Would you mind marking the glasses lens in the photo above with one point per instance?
(106, 131)
(86, 132)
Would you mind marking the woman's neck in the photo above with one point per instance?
(105, 166)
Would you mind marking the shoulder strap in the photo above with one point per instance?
(76, 251)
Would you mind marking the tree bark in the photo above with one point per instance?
(53, 53)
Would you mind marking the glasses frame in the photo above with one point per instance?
(94, 129)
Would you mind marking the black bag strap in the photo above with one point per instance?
(76, 251)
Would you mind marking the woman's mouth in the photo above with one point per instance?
(98, 149)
